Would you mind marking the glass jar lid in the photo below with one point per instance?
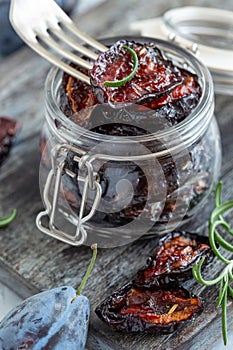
(207, 32)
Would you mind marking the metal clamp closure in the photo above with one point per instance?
(190, 46)
(54, 184)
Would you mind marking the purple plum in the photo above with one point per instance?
(48, 320)
(56, 319)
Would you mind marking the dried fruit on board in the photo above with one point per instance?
(173, 259)
(154, 300)
(8, 129)
(136, 309)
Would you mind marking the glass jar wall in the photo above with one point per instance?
(114, 189)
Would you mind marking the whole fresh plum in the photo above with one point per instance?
(56, 319)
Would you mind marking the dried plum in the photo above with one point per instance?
(112, 172)
(8, 129)
(164, 94)
(173, 259)
(157, 84)
(155, 300)
(109, 175)
(135, 309)
(79, 94)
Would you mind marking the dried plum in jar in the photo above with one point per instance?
(158, 84)
(170, 117)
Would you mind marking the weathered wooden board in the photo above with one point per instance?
(37, 262)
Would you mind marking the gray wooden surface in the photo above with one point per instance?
(29, 260)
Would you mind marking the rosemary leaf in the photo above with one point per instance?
(215, 237)
(230, 291)
(8, 219)
(213, 244)
(220, 293)
(218, 194)
(230, 274)
(221, 241)
(118, 83)
(223, 292)
(224, 318)
(198, 276)
(221, 209)
(217, 202)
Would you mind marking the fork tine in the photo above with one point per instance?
(65, 53)
(73, 43)
(34, 20)
(57, 62)
(83, 36)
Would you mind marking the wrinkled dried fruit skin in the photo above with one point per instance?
(177, 252)
(109, 175)
(8, 129)
(80, 95)
(111, 172)
(154, 300)
(136, 309)
(165, 98)
(158, 83)
(48, 321)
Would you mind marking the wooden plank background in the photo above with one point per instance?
(36, 262)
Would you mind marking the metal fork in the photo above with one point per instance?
(43, 26)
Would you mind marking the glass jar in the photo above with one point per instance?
(114, 189)
(205, 30)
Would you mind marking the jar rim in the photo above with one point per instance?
(199, 118)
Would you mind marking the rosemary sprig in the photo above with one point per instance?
(118, 83)
(226, 276)
(4, 221)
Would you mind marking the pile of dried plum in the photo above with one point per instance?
(158, 84)
(154, 300)
(163, 94)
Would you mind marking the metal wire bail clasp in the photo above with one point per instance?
(191, 46)
(53, 191)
